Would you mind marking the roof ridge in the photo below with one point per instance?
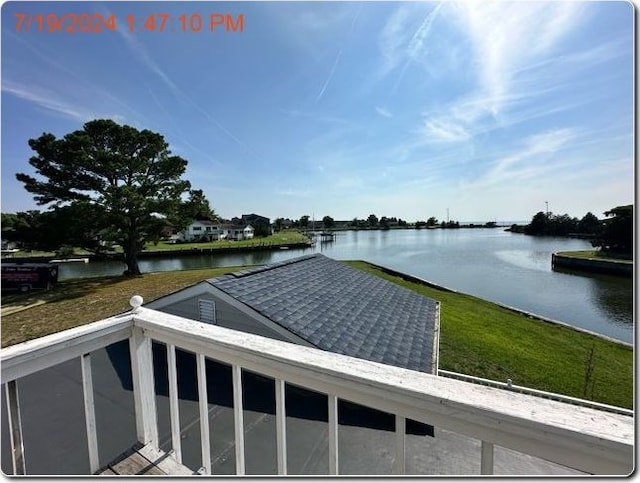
(266, 268)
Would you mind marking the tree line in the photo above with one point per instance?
(371, 222)
(613, 234)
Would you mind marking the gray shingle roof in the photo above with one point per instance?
(341, 309)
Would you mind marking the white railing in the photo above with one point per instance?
(583, 438)
(509, 386)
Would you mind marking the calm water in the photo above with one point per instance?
(490, 263)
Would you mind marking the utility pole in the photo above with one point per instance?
(447, 216)
(547, 203)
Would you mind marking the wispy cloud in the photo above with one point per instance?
(51, 101)
(444, 131)
(383, 112)
(505, 39)
(326, 82)
(528, 161)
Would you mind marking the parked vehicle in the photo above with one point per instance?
(28, 276)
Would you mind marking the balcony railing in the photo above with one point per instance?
(587, 439)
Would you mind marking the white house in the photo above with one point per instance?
(200, 230)
(235, 232)
(205, 230)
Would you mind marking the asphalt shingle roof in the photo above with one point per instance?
(341, 309)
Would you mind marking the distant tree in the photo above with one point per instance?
(420, 224)
(355, 223)
(539, 225)
(372, 220)
(73, 225)
(384, 223)
(260, 230)
(277, 224)
(126, 175)
(432, 221)
(304, 221)
(328, 222)
(9, 220)
(617, 234)
(562, 225)
(401, 222)
(23, 228)
(196, 207)
(589, 224)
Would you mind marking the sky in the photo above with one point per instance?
(487, 110)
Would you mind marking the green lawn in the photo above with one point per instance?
(477, 337)
(280, 238)
(77, 302)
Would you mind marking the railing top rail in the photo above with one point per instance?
(507, 386)
(22, 359)
(557, 431)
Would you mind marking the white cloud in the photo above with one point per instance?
(529, 161)
(398, 46)
(383, 112)
(444, 131)
(51, 101)
(328, 79)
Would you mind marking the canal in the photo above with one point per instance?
(508, 268)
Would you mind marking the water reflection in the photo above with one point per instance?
(610, 295)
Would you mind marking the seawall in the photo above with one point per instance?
(597, 265)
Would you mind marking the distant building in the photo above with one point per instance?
(205, 230)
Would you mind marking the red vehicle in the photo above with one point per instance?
(28, 276)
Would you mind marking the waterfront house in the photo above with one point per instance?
(200, 230)
(206, 230)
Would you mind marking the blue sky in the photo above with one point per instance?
(347, 108)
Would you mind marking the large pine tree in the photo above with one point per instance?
(127, 176)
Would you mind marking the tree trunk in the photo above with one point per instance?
(130, 248)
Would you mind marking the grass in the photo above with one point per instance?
(281, 238)
(76, 302)
(596, 254)
(477, 337)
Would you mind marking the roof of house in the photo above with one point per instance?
(341, 309)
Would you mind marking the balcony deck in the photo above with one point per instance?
(478, 430)
(147, 461)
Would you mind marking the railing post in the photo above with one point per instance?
(203, 403)
(399, 463)
(90, 412)
(486, 458)
(15, 428)
(176, 442)
(143, 387)
(333, 434)
(238, 418)
(281, 427)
